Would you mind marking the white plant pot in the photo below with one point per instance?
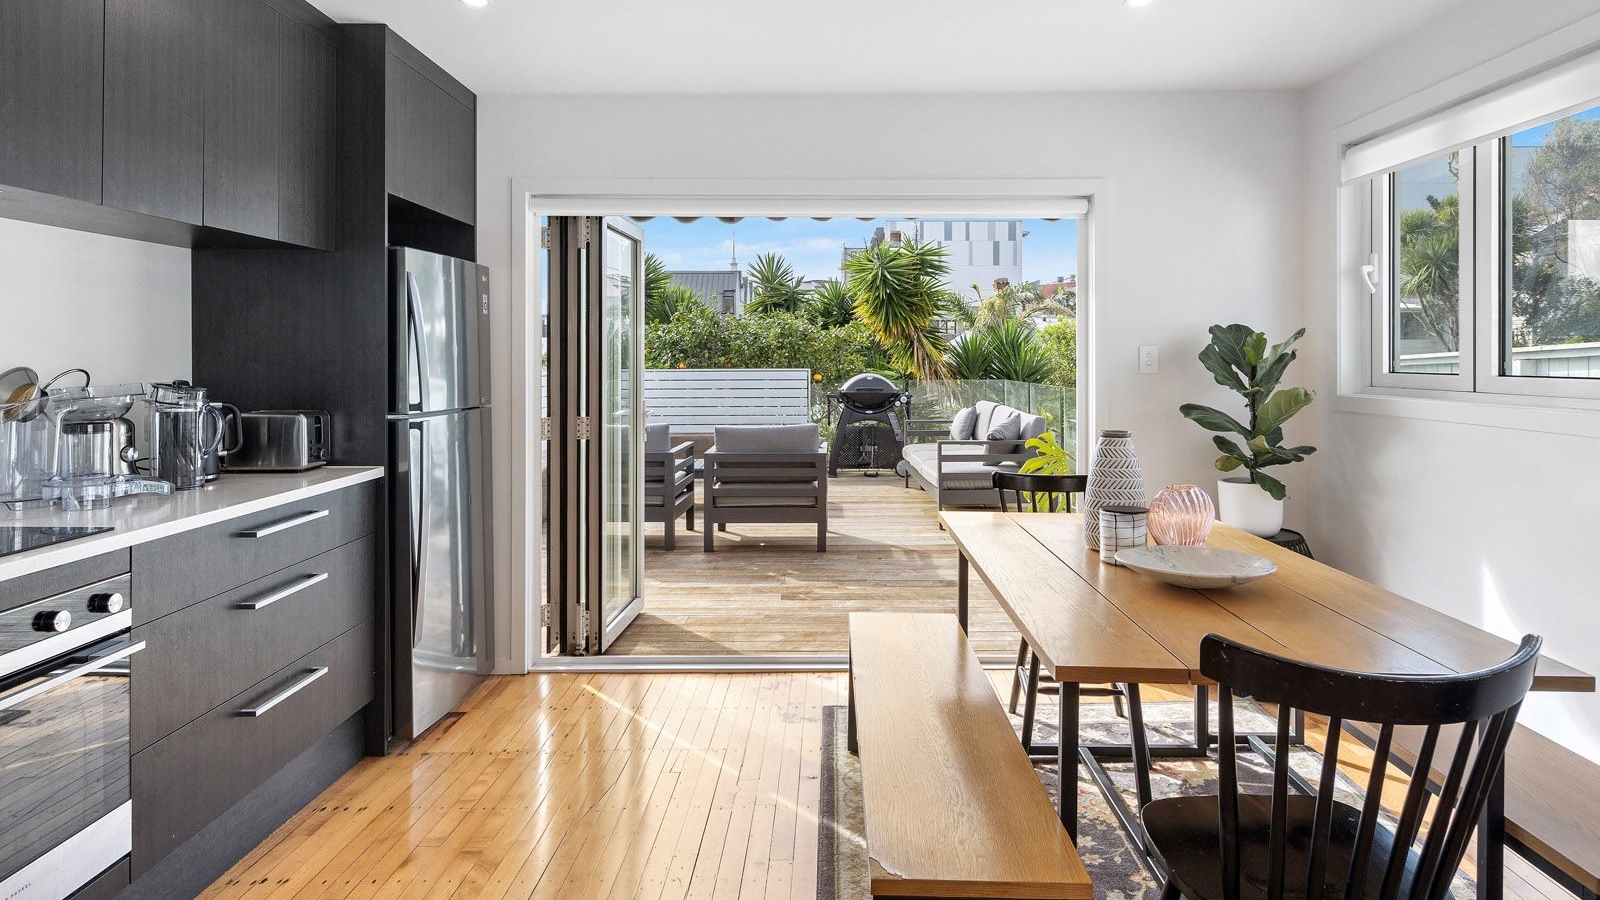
(1244, 505)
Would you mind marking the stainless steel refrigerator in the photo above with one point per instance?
(439, 478)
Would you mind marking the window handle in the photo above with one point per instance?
(1369, 274)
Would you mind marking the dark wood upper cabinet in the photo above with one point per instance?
(431, 138)
(154, 118)
(51, 76)
(306, 140)
(246, 40)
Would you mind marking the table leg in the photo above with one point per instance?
(1067, 758)
(1492, 839)
(1202, 718)
(1139, 740)
(963, 576)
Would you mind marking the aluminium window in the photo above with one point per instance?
(1485, 264)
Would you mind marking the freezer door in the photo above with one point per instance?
(442, 595)
(441, 309)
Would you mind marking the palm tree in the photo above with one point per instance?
(774, 286)
(900, 294)
(830, 305)
(665, 304)
(1015, 302)
(656, 276)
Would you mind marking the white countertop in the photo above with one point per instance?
(147, 517)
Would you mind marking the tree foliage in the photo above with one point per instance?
(775, 286)
(900, 295)
(830, 305)
(701, 338)
(1015, 302)
(1240, 359)
(1060, 339)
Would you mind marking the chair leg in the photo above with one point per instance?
(1030, 703)
(1016, 675)
(669, 536)
(688, 518)
(710, 535)
(722, 526)
(822, 538)
(1169, 891)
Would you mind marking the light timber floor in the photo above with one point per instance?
(767, 591)
(659, 787)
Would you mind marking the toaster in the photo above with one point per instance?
(282, 440)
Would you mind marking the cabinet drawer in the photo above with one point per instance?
(184, 781)
(180, 571)
(198, 657)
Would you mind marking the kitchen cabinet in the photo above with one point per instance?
(154, 118)
(51, 75)
(431, 139)
(242, 84)
(307, 139)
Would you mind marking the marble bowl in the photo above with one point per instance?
(1196, 567)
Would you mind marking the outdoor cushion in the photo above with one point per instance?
(985, 414)
(657, 438)
(1006, 425)
(963, 423)
(1032, 427)
(768, 438)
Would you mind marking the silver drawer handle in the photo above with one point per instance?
(285, 525)
(94, 665)
(281, 593)
(304, 682)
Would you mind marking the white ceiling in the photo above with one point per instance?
(890, 46)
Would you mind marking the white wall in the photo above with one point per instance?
(116, 307)
(1197, 223)
(1494, 525)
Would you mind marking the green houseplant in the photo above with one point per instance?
(1050, 458)
(1241, 359)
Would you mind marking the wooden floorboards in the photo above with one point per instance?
(604, 786)
(766, 591)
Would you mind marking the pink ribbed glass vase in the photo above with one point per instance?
(1181, 514)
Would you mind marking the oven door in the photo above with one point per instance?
(65, 810)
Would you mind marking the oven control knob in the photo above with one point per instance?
(52, 620)
(106, 603)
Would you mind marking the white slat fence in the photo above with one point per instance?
(693, 401)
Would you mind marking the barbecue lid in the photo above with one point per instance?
(868, 382)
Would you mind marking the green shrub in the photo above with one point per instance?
(703, 339)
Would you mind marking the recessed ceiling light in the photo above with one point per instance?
(1129, 2)
(482, 3)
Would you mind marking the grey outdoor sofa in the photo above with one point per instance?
(766, 474)
(668, 482)
(960, 472)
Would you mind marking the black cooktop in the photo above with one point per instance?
(21, 539)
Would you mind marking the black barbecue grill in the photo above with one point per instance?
(869, 430)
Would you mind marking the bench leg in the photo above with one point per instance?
(1016, 675)
(1067, 758)
(1030, 703)
(963, 581)
(1492, 839)
(850, 741)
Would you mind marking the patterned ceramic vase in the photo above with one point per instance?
(1114, 480)
(1181, 514)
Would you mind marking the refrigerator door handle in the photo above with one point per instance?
(418, 344)
(419, 522)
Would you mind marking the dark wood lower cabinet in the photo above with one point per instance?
(189, 778)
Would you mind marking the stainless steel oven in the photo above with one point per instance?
(66, 813)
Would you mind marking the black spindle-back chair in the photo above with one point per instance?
(1283, 846)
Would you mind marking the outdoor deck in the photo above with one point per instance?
(767, 591)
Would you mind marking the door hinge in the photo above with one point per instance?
(584, 233)
(588, 627)
(544, 238)
(583, 428)
(544, 615)
(544, 429)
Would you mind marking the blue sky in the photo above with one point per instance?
(1050, 249)
(1534, 137)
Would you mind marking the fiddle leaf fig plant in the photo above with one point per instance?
(1241, 359)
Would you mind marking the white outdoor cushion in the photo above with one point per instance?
(1005, 425)
(657, 438)
(985, 415)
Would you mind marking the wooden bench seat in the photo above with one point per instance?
(1552, 802)
(953, 806)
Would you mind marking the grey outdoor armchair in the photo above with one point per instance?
(766, 474)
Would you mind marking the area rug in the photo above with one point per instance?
(1111, 860)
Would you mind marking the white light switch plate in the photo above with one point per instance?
(1149, 359)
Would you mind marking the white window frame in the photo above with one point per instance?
(1384, 257)
(1485, 286)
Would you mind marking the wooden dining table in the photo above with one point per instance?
(1089, 622)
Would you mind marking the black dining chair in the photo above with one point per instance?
(1285, 846)
(1040, 493)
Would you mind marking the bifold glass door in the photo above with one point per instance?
(595, 496)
